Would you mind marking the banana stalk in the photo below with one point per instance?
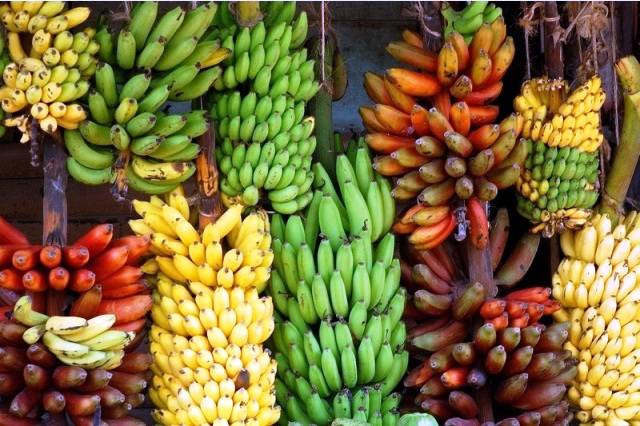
(624, 162)
(321, 106)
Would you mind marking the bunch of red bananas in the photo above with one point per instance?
(510, 351)
(36, 386)
(96, 264)
(520, 358)
(434, 128)
(105, 277)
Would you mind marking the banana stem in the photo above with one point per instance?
(54, 203)
(321, 105)
(625, 159)
(210, 207)
(248, 13)
(480, 270)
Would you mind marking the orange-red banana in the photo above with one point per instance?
(394, 120)
(401, 100)
(386, 143)
(387, 166)
(460, 118)
(420, 120)
(412, 55)
(484, 136)
(501, 60)
(447, 65)
(462, 87)
(483, 114)
(438, 123)
(408, 157)
(413, 38)
(485, 95)
(481, 41)
(442, 102)
(461, 49)
(374, 86)
(370, 121)
(413, 83)
(499, 30)
(481, 68)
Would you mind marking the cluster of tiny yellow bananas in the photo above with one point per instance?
(183, 255)
(54, 71)
(559, 118)
(573, 218)
(199, 381)
(598, 286)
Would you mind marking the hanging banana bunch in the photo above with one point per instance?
(560, 182)
(4, 61)
(47, 75)
(339, 336)
(209, 321)
(266, 141)
(435, 129)
(596, 285)
(163, 57)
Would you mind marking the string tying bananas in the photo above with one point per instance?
(560, 182)
(209, 320)
(596, 284)
(164, 57)
(42, 84)
(267, 142)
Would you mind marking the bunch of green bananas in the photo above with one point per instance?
(74, 340)
(557, 178)
(155, 59)
(260, 108)
(339, 337)
(468, 20)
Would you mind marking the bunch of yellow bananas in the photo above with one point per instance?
(209, 321)
(54, 72)
(558, 118)
(597, 285)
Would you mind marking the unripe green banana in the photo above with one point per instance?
(106, 84)
(87, 175)
(126, 110)
(300, 28)
(151, 54)
(263, 108)
(126, 49)
(145, 145)
(119, 137)
(95, 133)
(175, 53)
(189, 153)
(100, 112)
(143, 16)
(242, 67)
(154, 99)
(168, 24)
(257, 58)
(168, 125)
(179, 77)
(262, 81)
(136, 86)
(198, 87)
(141, 124)
(84, 153)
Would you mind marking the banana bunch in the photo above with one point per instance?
(163, 58)
(453, 149)
(74, 340)
(209, 321)
(468, 20)
(596, 284)
(560, 182)
(267, 140)
(184, 255)
(37, 388)
(209, 365)
(533, 370)
(557, 182)
(54, 73)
